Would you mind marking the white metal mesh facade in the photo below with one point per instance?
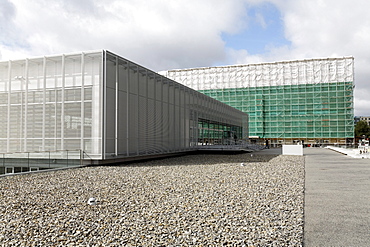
(267, 74)
(102, 104)
(47, 103)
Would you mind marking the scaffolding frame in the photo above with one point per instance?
(287, 102)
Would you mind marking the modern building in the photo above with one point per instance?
(107, 107)
(362, 118)
(287, 102)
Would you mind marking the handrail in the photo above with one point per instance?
(20, 162)
(41, 151)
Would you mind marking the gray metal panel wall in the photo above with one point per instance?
(147, 113)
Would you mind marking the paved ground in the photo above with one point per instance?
(337, 199)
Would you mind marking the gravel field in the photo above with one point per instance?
(195, 200)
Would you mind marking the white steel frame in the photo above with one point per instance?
(310, 71)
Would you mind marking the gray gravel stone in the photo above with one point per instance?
(195, 200)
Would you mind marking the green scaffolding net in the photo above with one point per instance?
(316, 111)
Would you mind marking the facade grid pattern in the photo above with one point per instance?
(287, 102)
(106, 106)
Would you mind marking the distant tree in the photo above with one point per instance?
(362, 128)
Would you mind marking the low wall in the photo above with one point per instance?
(292, 149)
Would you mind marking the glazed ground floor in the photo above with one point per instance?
(314, 142)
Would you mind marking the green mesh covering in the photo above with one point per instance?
(317, 111)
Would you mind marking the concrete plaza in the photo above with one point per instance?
(337, 199)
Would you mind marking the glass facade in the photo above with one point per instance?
(216, 133)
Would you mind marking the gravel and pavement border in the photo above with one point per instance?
(196, 200)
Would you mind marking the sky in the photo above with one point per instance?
(178, 34)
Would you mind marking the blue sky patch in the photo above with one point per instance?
(264, 28)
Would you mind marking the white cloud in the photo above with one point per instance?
(163, 34)
(362, 103)
(157, 33)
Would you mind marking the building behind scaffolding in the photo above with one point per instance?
(287, 102)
